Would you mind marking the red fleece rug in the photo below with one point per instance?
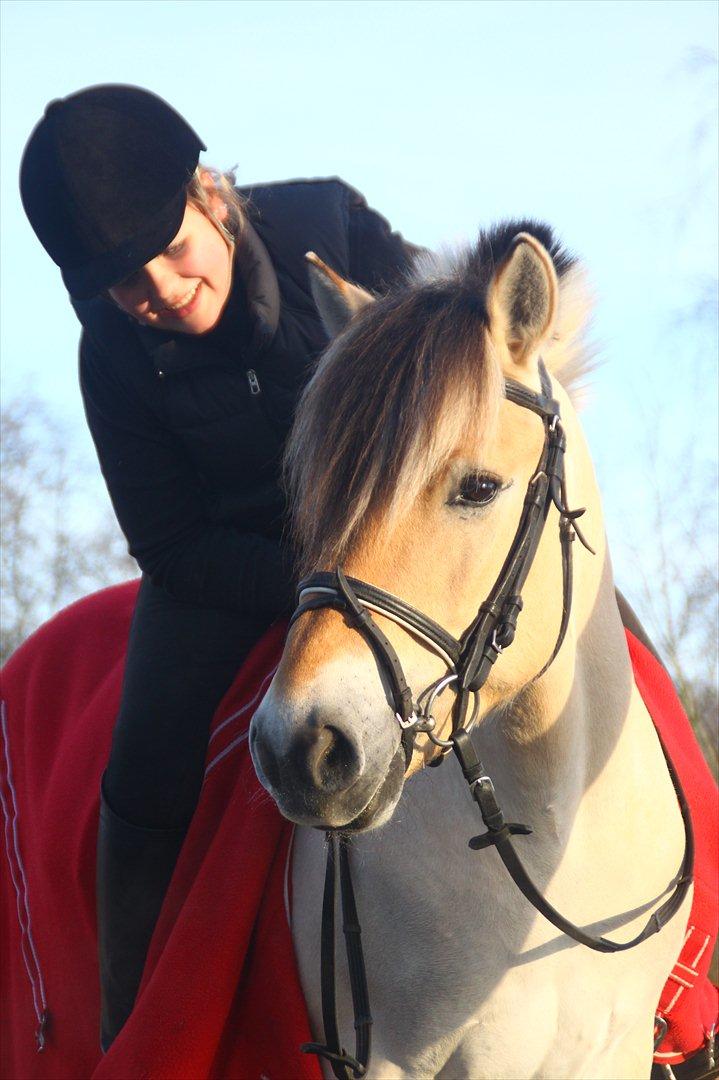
(220, 996)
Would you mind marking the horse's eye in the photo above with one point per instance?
(476, 489)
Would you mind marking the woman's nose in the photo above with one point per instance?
(157, 281)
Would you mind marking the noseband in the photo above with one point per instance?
(469, 660)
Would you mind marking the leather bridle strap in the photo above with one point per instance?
(323, 592)
(495, 625)
(344, 1066)
(344, 599)
(499, 835)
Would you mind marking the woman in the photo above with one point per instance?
(199, 331)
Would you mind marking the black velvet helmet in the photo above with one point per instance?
(104, 182)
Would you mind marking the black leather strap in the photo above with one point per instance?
(380, 644)
(499, 835)
(542, 404)
(344, 1066)
(372, 594)
(566, 539)
(345, 600)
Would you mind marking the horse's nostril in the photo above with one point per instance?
(319, 761)
(333, 760)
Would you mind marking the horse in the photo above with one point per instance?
(435, 456)
(411, 465)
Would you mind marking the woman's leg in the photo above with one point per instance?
(181, 659)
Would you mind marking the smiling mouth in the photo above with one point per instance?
(186, 305)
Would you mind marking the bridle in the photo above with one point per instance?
(469, 660)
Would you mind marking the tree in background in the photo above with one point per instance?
(54, 547)
(676, 563)
(676, 587)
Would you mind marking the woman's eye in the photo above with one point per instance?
(477, 489)
(175, 249)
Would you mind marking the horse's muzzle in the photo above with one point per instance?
(320, 777)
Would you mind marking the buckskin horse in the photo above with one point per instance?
(437, 463)
(440, 480)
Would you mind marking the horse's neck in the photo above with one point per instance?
(548, 743)
(448, 924)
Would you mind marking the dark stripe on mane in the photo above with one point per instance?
(394, 395)
(493, 245)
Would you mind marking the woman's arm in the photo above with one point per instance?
(164, 511)
(378, 256)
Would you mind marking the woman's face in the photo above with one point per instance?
(186, 287)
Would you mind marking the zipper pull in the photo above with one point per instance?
(254, 382)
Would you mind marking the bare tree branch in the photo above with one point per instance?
(51, 553)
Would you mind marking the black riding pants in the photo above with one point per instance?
(181, 659)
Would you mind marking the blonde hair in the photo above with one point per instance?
(207, 182)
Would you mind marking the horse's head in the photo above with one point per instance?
(409, 468)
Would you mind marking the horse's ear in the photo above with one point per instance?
(522, 298)
(337, 300)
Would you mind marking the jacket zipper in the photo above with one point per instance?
(254, 382)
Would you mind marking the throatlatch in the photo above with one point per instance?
(469, 660)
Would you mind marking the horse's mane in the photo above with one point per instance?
(409, 380)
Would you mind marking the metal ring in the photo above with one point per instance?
(446, 744)
(437, 689)
(431, 693)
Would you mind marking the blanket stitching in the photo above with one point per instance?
(239, 712)
(36, 981)
(223, 753)
(699, 955)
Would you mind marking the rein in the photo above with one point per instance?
(470, 660)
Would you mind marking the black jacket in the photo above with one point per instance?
(190, 430)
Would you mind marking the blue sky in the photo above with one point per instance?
(447, 115)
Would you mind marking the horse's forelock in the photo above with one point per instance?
(396, 394)
(388, 404)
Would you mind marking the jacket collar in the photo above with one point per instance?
(172, 352)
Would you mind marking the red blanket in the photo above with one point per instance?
(220, 996)
(689, 1002)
